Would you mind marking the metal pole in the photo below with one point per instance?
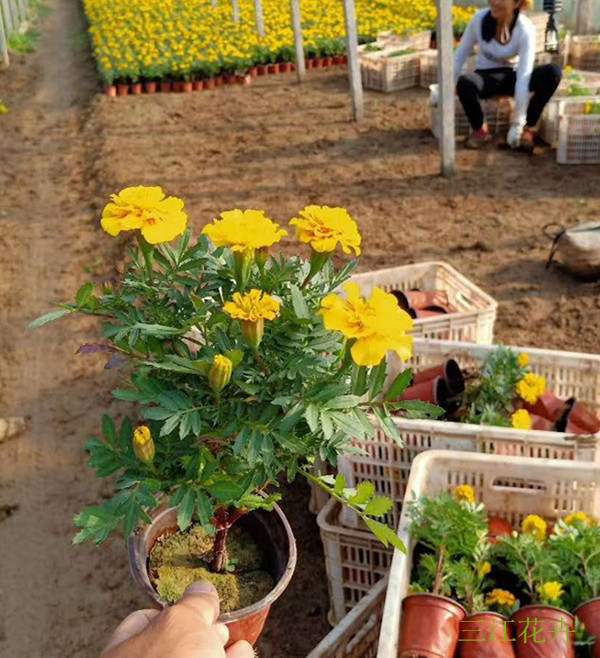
(260, 21)
(236, 11)
(356, 92)
(445, 38)
(7, 18)
(298, 43)
(3, 44)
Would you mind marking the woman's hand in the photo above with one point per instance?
(513, 139)
(187, 629)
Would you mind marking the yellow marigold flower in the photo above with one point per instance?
(551, 591)
(3, 108)
(220, 371)
(253, 309)
(531, 387)
(578, 517)
(244, 230)
(143, 444)
(521, 420)
(323, 228)
(536, 526)
(464, 493)
(568, 69)
(501, 598)
(523, 359)
(375, 325)
(483, 569)
(160, 219)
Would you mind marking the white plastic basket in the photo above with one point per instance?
(476, 310)
(539, 20)
(497, 112)
(355, 560)
(357, 634)
(578, 135)
(510, 487)
(387, 465)
(584, 52)
(385, 71)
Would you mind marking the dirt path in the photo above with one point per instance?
(63, 149)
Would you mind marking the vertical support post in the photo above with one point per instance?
(15, 15)
(445, 40)
(214, 3)
(3, 43)
(22, 10)
(356, 91)
(260, 21)
(236, 11)
(585, 17)
(7, 18)
(298, 42)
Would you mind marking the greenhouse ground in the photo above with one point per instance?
(276, 146)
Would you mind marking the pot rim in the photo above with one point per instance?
(581, 605)
(141, 575)
(546, 607)
(489, 613)
(436, 596)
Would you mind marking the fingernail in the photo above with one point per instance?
(200, 587)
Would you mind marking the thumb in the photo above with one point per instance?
(240, 649)
(201, 598)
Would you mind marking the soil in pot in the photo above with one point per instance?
(180, 558)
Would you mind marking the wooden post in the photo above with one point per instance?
(8, 23)
(298, 43)
(3, 44)
(22, 10)
(445, 40)
(356, 91)
(260, 21)
(585, 17)
(214, 3)
(15, 15)
(236, 11)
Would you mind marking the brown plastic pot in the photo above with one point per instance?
(122, 90)
(253, 71)
(110, 90)
(310, 64)
(229, 79)
(548, 406)
(165, 87)
(245, 80)
(178, 86)
(219, 81)
(589, 614)
(328, 62)
(318, 64)
(581, 420)
(498, 527)
(150, 87)
(286, 67)
(541, 423)
(198, 85)
(262, 69)
(451, 373)
(270, 530)
(434, 391)
(188, 87)
(337, 60)
(273, 69)
(430, 626)
(426, 298)
(136, 88)
(486, 635)
(209, 84)
(548, 643)
(431, 312)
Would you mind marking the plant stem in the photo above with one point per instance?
(223, 520)
(437, 585)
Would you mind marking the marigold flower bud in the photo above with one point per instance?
(261, 256)
(253, 332)
(220, 373)
(143, 444)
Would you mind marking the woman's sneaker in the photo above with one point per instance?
(478, 138)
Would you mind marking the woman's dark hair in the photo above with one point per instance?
(488, 25)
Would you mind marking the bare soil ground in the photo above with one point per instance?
(277, 146)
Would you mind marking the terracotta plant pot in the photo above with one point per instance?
(178, 86)
(253, 71)
(581, 420)
(318, 64)
(209, 84)
(337, 60)
(426, 298)
(110, 90)
(136, 88)
(422, 313)
(498, 527)
(273, 69)
(541, 423)
(589, 614)
(262, 69)
(451, 373)
(486, 635)
(219, 81)
(188, 87)
(122, 90)
(165, 87)
(229, 79)
(245, 80)
(548, 643)
(198, 85)
(328, 62)
(272, 533)
(430, 626)
(150, 87)
(548, 406)
(434, 391)
(344, 60)
(286, 67)
(310, 64)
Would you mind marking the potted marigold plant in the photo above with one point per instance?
(243, 368)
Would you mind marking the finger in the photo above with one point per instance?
(223, 632)
(240, 649)
(132, 625)
(202, 598)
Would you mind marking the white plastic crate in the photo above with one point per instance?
(497, 112)
(385, 71)
(510, 487)
(357, 634)
(476, 310)
(539, 20)
(584, 52)
(418, 41)
(355, 560)
(428, 67)
(578, 135)
(388, 465)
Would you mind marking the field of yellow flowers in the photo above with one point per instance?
(192, 40)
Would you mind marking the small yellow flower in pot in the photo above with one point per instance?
(550, 593)
(536, 526)
(523, 359)
(253, 309)
(143, 444)
(521, 419)
(219, 374)
(501, 598)
(464, 493)
(483, 569)
(531, 387)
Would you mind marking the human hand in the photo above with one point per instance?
(434, 95)
(513, 139)
(185, 630)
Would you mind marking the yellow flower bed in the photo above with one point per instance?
(152, 39)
